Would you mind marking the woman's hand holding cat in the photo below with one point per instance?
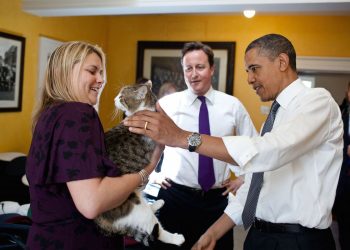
(145, 173)
(160, 127)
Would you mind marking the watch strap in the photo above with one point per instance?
(192, 148)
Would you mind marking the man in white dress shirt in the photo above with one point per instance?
(300, 158)
(188, 209)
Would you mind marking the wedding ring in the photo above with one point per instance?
(145, 127)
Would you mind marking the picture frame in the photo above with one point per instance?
(160, 62)
(46, 47)
(12, 49)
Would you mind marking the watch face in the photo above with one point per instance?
(194, 139)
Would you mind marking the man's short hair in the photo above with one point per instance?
(272, 45)
(191, 46)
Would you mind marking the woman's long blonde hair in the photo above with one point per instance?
(58, 80)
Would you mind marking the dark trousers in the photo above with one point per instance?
(311, 240)
(341, 211)
(191, 213)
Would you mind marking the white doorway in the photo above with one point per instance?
(330, 73)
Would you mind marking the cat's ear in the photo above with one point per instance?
(149, 84)
(141, 92)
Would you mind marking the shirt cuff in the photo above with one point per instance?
(240, 148)
(234, 210)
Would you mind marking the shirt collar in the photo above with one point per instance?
(290, 92)
(191, 97)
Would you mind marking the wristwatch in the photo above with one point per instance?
(194, 140)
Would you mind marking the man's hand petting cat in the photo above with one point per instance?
(159, 127)
(155, 158)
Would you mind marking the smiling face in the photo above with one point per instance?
(264, 74)
(197, 71)
(88, 79)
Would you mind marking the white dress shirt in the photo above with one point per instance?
(301, 159)
(227, 116)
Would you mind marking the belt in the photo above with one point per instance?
(268, 227)
(198, 191)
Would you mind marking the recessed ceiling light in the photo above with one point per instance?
(249, 13)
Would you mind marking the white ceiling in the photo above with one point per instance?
(134, 7)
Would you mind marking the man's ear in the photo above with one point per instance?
(212, 69)
(284, 61)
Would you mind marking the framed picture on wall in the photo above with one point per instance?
(46, 47)
(160, 62)
(11, 72)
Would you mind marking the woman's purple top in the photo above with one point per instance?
(68, 145)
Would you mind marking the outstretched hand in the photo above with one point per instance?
(158, 126)
(206, 242)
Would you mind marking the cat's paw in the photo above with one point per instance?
(177, 239)
(157, 205)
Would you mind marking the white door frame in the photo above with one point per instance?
(323, 64)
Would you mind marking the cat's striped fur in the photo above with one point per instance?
(131, 153)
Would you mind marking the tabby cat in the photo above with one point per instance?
(131, 153)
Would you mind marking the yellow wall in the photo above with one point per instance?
(311, 36)
(15, 127)
(118, 35)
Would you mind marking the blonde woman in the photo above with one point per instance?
(70, 176)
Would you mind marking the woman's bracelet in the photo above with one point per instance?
(144, 177)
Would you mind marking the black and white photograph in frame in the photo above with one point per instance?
(161, 63)
(11, 72)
